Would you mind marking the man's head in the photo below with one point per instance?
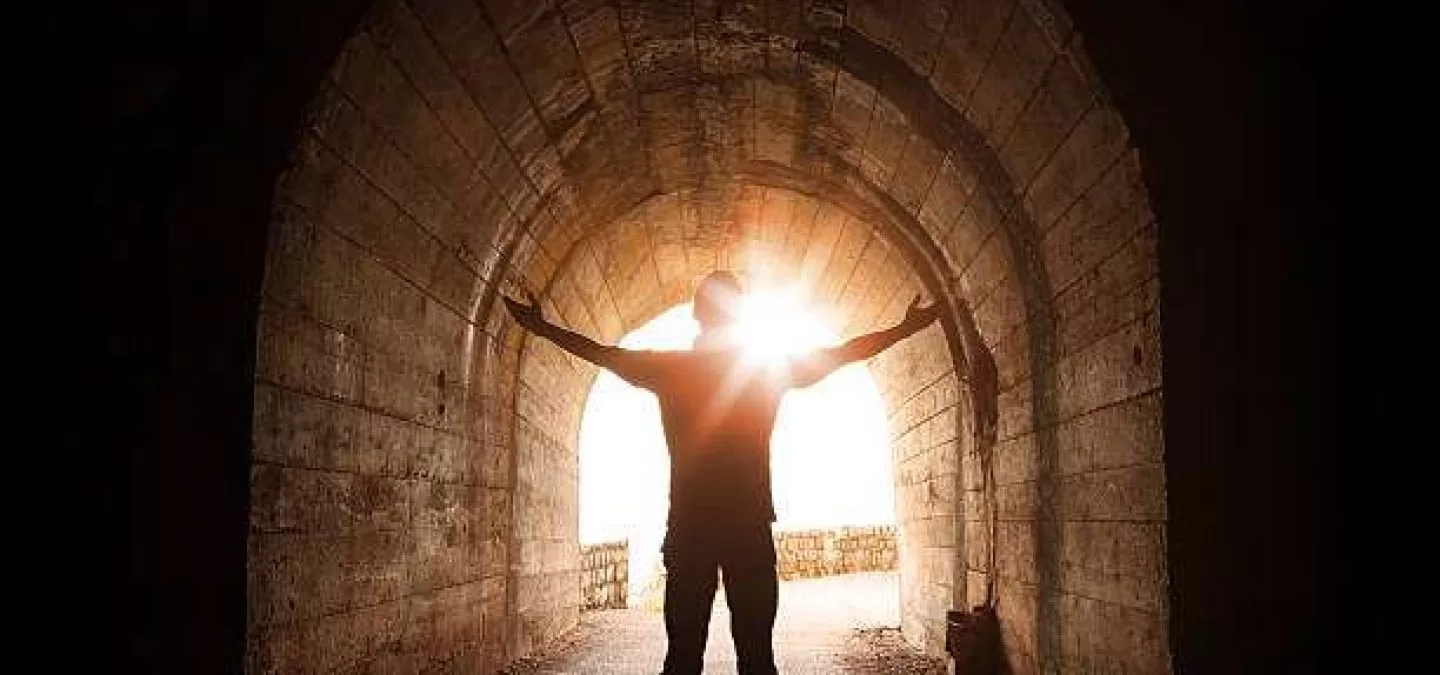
(717, 300)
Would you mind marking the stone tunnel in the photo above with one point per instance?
(410, 468)
(414, 478)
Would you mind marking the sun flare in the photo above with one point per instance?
(773, 325)
(830, 452)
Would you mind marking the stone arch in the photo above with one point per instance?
(456, 147)
(848, 266)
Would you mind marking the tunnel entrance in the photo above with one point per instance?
(831, 463)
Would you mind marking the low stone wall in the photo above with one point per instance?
(805, 554)
(818, 553)
(604, 575)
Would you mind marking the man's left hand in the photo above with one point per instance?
(528, 314)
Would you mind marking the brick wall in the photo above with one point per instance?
(415, 482)
(818, 553)
(925, 413)
(605, 575)
(804, 554)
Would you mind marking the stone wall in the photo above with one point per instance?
(818, 553)
(925, 412)
(810, 553)
(605, 575)
(415, 477)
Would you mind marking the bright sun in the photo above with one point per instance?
(772, 326)
(830, 452)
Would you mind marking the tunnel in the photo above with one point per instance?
(409, 472)
(415, 454)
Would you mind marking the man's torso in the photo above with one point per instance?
(718, 410)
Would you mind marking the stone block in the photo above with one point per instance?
(1090, 149)
(1061, 99)
(1020, 58)
(974, 27)
(1116, 367)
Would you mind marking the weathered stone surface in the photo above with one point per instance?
(605, 575)
(816, 553)
(1021, 57)
(415, 483)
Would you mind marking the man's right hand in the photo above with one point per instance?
(528, 314)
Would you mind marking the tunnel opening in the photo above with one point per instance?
(830, 466)
(844, 271)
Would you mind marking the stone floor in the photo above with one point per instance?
(841, 624)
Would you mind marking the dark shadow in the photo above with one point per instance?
(1223, 102)
(186, 113)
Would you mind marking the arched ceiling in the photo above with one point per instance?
(567, 116)
(836, 261)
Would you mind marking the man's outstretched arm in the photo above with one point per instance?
(627, 364)
(808, 370)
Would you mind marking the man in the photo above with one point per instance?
(718, 406)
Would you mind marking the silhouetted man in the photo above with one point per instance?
(718, 405)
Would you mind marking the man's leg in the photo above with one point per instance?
(689, 599)
(752, 590)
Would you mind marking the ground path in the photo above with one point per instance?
(829, 626)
